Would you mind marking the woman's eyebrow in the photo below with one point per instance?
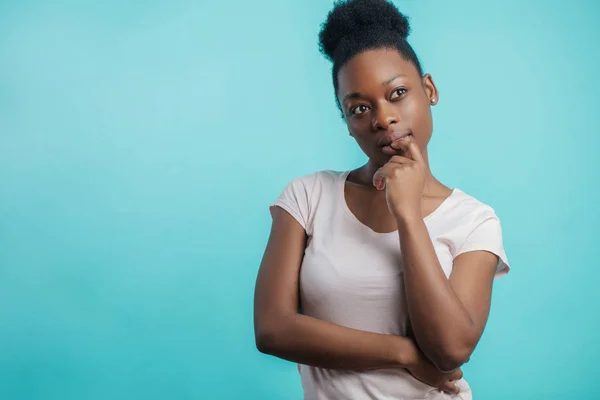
(393, 78)
(355, 95)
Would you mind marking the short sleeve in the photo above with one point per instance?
(295, 199)
(487, 236)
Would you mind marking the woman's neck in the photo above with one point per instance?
(364, 176)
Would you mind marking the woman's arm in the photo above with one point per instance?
(447, 315)
(282, 332)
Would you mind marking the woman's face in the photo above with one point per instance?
(383, 98)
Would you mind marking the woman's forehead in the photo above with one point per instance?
(374, 67)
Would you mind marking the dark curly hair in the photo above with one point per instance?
(353, 26)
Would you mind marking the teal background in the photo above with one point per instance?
(141, 143)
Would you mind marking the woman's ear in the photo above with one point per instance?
(430, 89)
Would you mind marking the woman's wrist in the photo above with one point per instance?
(406, 352)
(408, 219)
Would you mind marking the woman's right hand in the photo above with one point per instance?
(424, 370)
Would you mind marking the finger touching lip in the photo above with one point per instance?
(401, 143)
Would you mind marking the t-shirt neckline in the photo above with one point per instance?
(342, 199)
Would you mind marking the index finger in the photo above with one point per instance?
(415, 151)
(411, 147)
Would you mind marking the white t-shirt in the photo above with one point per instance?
(353, 276)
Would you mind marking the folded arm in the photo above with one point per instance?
(447, 315)
(281, 331)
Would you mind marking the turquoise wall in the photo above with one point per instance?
(141, 143)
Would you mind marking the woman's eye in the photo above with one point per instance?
(398, 92)
(359, 109)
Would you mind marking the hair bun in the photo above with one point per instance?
(351, 17)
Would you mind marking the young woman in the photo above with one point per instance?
(377, 281)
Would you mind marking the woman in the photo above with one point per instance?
(377, 281)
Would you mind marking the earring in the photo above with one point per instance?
(432, 101)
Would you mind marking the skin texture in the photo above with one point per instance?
(383, 98)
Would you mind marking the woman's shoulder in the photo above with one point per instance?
(465, 210)
(306, 193)
(468, 201)
(317, 178)
(313, 186)
(475, 226)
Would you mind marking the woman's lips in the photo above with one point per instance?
(390, 151)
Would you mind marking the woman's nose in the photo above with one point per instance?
(384, 117)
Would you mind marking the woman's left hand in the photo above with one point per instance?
(403, 178)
